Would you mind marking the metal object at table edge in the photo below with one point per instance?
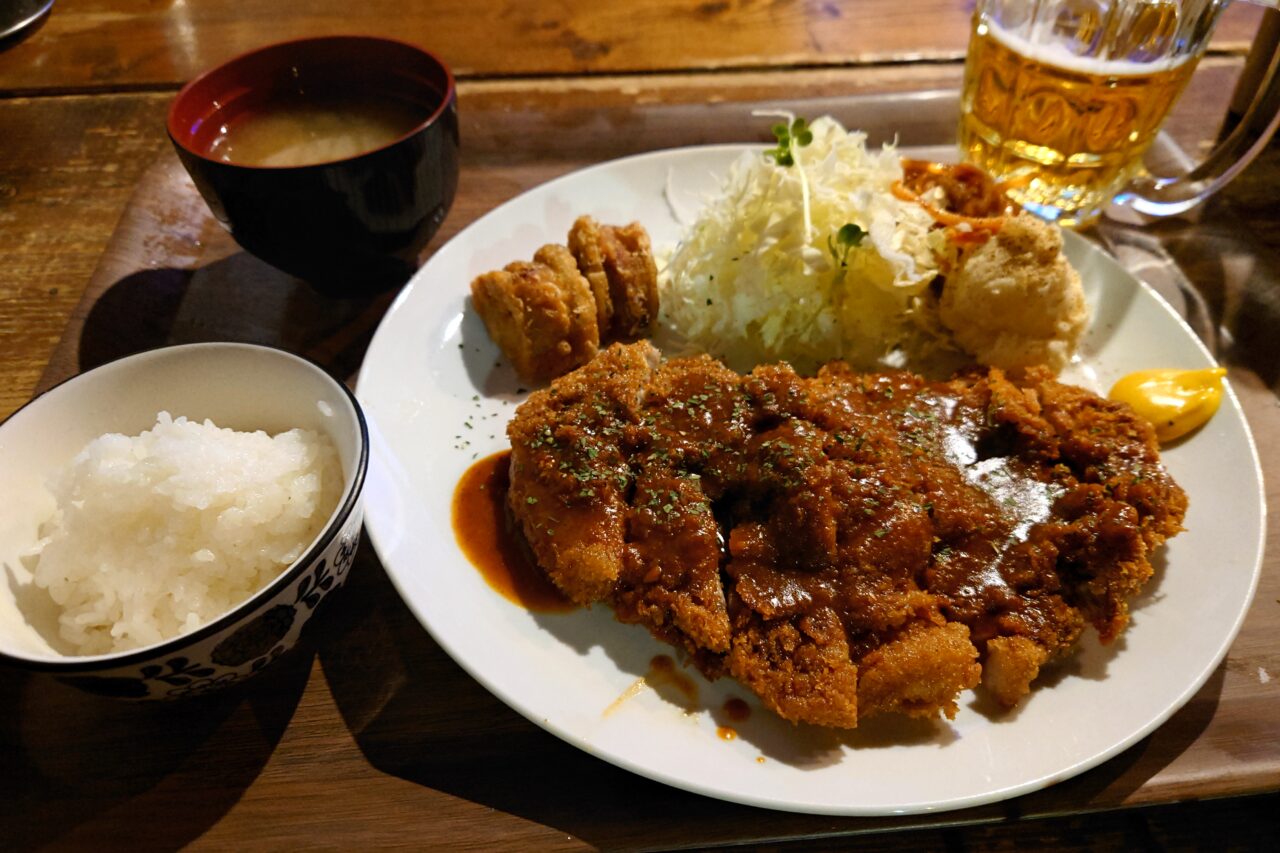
(22, 14)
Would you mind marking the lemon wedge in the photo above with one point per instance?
(1175, 402)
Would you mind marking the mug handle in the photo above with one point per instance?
(1169, 196)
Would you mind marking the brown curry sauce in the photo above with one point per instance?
(488, 537)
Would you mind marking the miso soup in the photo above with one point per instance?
(294, 130)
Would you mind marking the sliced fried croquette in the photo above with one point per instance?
(540, 314)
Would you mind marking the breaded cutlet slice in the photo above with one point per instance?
(569, 481)
(540, 314)
(920, 672)
(624, 256)
(584, 244)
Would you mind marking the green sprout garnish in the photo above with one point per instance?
(844, 241)
(797, 133)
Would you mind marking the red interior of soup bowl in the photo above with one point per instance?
(355, 64)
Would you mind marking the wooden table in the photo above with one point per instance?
(370, 735)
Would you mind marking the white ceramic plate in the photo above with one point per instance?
(435, 400)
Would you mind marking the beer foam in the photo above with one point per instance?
(1057, 55)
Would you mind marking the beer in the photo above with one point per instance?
(1067, 132)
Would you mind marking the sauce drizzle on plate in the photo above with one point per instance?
(488, 538)
(737, 709)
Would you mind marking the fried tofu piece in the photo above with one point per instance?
(540, 314)
(618, 260)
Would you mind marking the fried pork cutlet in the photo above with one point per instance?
(847, 544)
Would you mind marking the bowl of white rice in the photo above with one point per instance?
(175, 518)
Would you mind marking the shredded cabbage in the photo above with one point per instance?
(755, 279)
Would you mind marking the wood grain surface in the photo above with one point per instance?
(89, 44)
(369, 735)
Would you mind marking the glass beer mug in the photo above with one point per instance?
(1062, 98)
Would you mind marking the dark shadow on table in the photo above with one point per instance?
(238, 298)
(81, 770)
(417, 715)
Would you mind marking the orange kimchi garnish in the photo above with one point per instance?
(972, 198)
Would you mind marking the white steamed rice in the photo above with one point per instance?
(157, 534)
